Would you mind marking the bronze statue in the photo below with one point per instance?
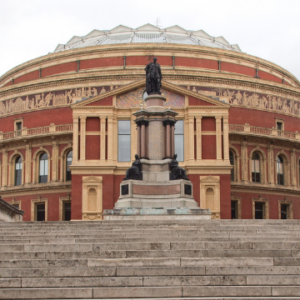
(176, 171)
(153, 77)
(134, 172)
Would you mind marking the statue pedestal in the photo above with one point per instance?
(156, 196)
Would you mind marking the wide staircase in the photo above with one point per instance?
(213, 259)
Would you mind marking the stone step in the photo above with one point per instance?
(154, 292)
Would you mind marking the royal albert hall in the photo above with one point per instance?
(68, 133)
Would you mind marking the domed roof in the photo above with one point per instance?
(147, 34)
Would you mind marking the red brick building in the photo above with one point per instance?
(68, 134)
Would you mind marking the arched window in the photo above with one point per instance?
(43, 172)
(231, 158)
(280, 173)
(18, 170)
(68, 163)
(255, 167)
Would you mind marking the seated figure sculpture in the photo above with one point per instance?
(176, 171)
(134, 172)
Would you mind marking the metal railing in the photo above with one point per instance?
(53, 129)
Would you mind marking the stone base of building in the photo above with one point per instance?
(148, 213)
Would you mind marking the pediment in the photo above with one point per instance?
(210, 179)
(148, 27)
(176, 29)
(120, 28)
(131, 96)
(92, 179)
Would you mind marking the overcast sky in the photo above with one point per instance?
(269, 29)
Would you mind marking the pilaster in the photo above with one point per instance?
(244, 161)
(28, 154)
(191, 138)
(225, 138)
(271, 164)
(75, 139)
(293, 168)
(110, 141)
(199, 137)
(55, 150)
(102, 138)
(218, 137)
(82, 137)
(4, 167)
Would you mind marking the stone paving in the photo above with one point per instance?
(198, 259)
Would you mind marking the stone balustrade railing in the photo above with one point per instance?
(52, 129)
(247, 129)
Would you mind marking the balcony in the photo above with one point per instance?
(264, 132)
(35, 132)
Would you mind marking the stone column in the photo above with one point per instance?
(138, 150)
(55, 150)
(225, 138)
(82, 137)
(271, 164)
(110, 142)
(75, 139)
(143, 140)
(244, 161)
(191, 138)
(28, 154)
(168, 140)
(199, 137)
(218, 137)
(4, 167)
(102, 138)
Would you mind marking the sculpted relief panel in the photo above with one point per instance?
(250, 99)
(135, 99)
(55, 98)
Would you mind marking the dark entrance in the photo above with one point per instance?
(40, 212)
(284, 211)
(234, 212)
(259, 210)
(67, 211)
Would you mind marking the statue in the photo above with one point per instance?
(153, 77)
(134, 172)
(176, 172)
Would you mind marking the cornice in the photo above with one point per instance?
(85, 78)
(144, 48)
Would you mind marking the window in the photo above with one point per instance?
(280, 174)
(16, 205)
(279, 126)
(259, 210)
(18, 171)
(231, 159)
(43, 171)
(18, 127)
(234, 209)
(124, 141)
(40, 212)
(179, 140)
(255, 167)
(68, 163)
(66, 210)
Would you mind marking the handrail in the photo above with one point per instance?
(54, 129)
(247, 129)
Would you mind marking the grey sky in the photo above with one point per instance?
(264, 28)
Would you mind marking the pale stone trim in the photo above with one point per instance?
(63, 161)
(102, 137)
(55, 160)
(290, 209)
(210, 182)
(286, 170)
(62, 200)
(82, 137)
(36, 164)
(262, 156)
(271, 178)
(218, 137)
(266, 207)
(236, 166)
(75, 139)
(34, 202)
(4, 167)
(12, 165)
(28, 155)
(95, 183)
(191, 137)
(199, 137)
(239, 206)
(244, 160)
(225, 138)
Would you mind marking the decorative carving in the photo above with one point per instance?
(176, 171)
(134, 172)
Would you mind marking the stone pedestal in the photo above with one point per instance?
(156, 196)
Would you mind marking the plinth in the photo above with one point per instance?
(156, 196)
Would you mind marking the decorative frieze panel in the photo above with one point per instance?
(54, 98)
(250, 99)
(135, 99)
